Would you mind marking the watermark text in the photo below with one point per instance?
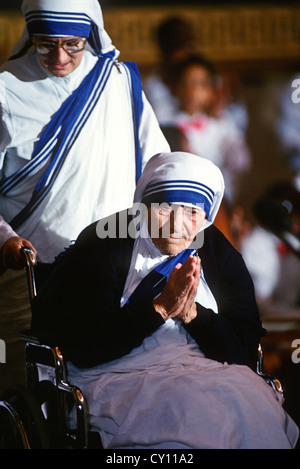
(161, 220)
(2, 351)
(296, 352)
(296, 93)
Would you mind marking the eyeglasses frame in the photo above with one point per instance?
(55, 45)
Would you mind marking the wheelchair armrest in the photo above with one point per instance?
(273, 382)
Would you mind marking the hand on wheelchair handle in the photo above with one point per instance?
(11, 253)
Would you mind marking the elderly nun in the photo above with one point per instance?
(161, 329)
(75, 134)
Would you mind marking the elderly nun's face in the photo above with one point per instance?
(173, 227)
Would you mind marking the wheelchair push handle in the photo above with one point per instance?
(30, 259)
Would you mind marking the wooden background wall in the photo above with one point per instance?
(239, 35)
(255, 36)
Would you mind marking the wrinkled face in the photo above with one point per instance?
(59, 56)
(173, 227)
(195, 90)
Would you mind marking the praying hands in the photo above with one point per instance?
(177, 299)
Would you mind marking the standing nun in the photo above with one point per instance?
(75, 133)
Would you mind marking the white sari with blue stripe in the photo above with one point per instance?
(91, 132)
(92, 172)
(80, 173)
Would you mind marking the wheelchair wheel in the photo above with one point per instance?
(22, 423)
(12, 432)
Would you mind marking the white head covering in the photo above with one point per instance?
(184, 178)
(65, 18)
(176, 177)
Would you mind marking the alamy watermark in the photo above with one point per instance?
(296, 352)
(129, 223)
(2, 351)
(296, 93)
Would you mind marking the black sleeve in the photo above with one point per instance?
(234, 333)
(78, 308)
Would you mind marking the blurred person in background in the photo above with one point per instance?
(176, 40)
(214, 136)
(271, 252)
(288, 126)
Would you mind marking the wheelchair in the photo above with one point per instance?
(36, 416)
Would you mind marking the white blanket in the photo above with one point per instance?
(166, 394)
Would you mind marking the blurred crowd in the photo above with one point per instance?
(199, 112)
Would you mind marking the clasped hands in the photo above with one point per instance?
(177, 300)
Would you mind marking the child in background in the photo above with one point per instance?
(176, 40)
(208, 132)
